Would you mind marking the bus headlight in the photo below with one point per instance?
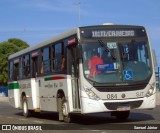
(151, 90)
(90, 93)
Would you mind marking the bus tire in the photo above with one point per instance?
(122, 115)
(26, 112)
(64, 108)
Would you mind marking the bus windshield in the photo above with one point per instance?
(131, 61)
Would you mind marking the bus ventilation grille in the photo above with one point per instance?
(114, 106)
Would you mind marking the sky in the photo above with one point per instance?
(37, 20)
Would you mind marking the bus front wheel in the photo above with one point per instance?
(63, 111)
(26, 112)
(121, 115)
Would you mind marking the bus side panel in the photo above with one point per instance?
(48, 89)
(69, 94)
(47, 94)
(42, 94)
(25, 87)
(35, 93)
(14, 94)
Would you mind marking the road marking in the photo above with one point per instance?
(85, 128)
(9, 117)
(38, 121)
(22, 119)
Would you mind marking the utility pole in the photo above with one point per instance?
(78, 5)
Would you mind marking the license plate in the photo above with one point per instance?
(123, 108)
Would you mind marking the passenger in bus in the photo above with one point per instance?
(124, 56)
(92, 63)
(63, 64)
(42, 67)
(106, 57)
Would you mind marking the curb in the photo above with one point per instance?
(4, 99)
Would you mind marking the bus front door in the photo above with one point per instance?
(72, 66)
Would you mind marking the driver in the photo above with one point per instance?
(92, 63)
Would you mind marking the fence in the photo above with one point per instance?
(4, 91)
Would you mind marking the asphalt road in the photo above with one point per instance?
(94, 123)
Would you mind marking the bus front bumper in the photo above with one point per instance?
(95, 106)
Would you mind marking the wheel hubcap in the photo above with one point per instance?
(64, 109)
(25, 107)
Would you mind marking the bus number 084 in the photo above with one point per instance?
(111, 96)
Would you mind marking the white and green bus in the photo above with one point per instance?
(54, 75)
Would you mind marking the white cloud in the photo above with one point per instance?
(154, 31)
(63, 6)
(57, 6)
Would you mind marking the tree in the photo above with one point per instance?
(7, 48)
(19, 43)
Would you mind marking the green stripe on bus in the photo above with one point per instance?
(12, 86)
(54, 78)
(47, 79)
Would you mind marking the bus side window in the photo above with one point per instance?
(63, 64)
(20, 68)
(26, 66)
(11, 70)
(34, 67)
(64, 57)
(42, 67)
(45, 64)
(42, 64)
(16, 72)
(52, 58)
(58, 57)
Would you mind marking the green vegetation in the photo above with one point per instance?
(7, 48)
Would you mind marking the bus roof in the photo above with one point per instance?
(65, 35)
(113, 26)
(42, 44)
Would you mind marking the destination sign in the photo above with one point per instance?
(94, 33)
(109, 33)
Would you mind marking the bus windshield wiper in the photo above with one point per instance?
(106, 49)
